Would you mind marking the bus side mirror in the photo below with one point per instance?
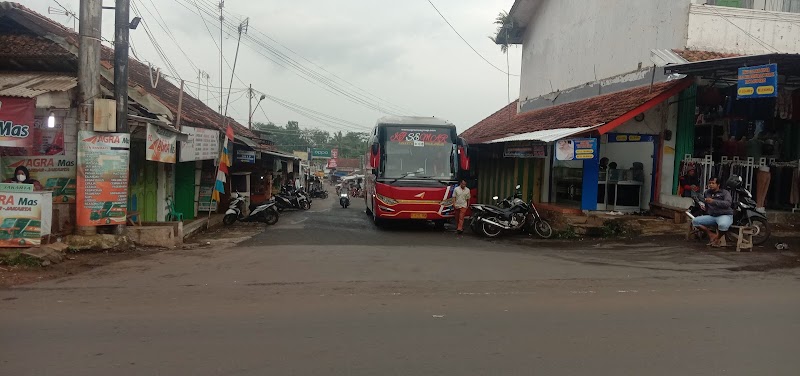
(463, 159)
(375, 156)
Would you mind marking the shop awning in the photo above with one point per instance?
(246, 141)
(597, 114)
(30, 85)
(788, 64)
(548, 135)
(183, 137)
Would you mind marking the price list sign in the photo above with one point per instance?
(102, 178)
(202, 144)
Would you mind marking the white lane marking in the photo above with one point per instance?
(300, 221)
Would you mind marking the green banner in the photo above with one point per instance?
(320, 153)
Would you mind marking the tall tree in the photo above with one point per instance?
(504, 25)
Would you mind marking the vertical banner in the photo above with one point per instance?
(161, 144)
(16, 122)
(56, 173)
(46, 140)
(103, 160)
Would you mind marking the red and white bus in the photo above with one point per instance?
(413, 165)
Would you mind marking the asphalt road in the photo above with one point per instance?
(326, 293)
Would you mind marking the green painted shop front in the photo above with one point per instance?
(498, 176)
(185, 173)
(143, 195)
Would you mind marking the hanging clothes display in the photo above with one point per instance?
(762, 185)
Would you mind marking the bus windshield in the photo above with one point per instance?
(418, 151)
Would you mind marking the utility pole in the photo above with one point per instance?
(180, 108)
(91, 15)
(221, 18)
(121, 36)
(250, 109)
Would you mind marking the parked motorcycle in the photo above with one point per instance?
(290, 198)
(744, 211)
(263, 212)
(344, 199)
(318, 193)
(513, 214)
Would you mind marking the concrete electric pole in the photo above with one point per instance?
(91, 16)
(122, 26)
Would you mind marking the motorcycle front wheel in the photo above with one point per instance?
(489, 230)
(542, 228)
(228, 219)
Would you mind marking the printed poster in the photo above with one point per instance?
(204, 203)
(24, 218)
(16, 122)
(56, 173)
(46, 140)
(102, 178)
(202, 144)
(576, 149)
(161, 144)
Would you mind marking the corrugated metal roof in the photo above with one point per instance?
(29, 85)
(547, 135)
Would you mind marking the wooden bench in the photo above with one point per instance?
(129, 218)
(744, 237)
(678, 215)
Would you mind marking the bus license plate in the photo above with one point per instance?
(419, 215)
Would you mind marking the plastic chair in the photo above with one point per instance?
(171, 213)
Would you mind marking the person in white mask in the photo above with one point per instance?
(23, 176)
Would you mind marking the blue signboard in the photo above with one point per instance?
(246, 156)
(581, 149)
(627, 137)
(758, 82)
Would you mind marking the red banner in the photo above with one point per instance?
(16, 121)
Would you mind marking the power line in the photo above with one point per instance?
(299, 69)
(163, 25)
(367, 93)
(759, 41)
(465, 41)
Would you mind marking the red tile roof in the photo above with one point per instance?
(348, 163)
(486, 126)
(30, 46)
(592, 111)
(696, 55)
(195, 112)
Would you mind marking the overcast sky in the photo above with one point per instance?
(395, 53)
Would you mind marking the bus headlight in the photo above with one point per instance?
(386, 200)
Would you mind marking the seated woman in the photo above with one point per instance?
(23, 176)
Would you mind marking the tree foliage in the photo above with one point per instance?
(291, 137)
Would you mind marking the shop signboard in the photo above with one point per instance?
(758, 82)
(331, 163)
(320, 153)
(16, 121)
(103, 160)
(246, 156)
(576, 149)
(626, 137)
(334, 153)
(57, 173)
(525, 149)
(201, 144)
(303, 155)
(24, 218)
(16, 188)
(161, 144)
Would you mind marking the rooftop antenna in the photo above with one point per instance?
(63, 11)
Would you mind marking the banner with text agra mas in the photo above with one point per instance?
(57, 173)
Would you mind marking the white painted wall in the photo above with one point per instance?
(569, 43)
(724, 29)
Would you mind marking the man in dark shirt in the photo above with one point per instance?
(718, 206)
